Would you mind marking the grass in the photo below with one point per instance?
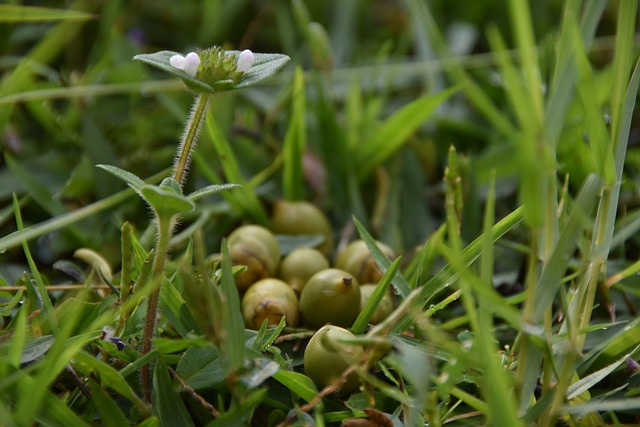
(493, 148)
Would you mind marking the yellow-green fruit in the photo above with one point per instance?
(384, 308)
(269, 299)
(299, 265)
(325, 358)
(357, 260)
(330, 296)
(256, 248)
(302, 217)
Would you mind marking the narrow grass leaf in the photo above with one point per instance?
(584, 384)
(41, 290)
(167, 404)
(17, 13)
(399, 283)
(295, 141)
(367, 312)
(233, 344)
(609, 405)
(550, 279)
(395, 130)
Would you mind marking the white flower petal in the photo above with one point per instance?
(177, 61)
(245, 60)
(191, 63)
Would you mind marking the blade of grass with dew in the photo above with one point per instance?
(295, 141)
(422, 295)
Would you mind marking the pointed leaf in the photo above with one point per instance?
(167, 404)
(165, 202)
(210, 189)
(299, 384)
(134, 181)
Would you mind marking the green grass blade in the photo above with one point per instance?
(366, 312)
(41, 291)
(17, 13)
(233, 344)
(389, 137)
(295, 141)
(242, 413)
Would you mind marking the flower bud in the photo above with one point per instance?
(245, 61)
(189, 64)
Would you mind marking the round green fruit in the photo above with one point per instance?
(301, 217)
(299, 265)
(330, 296)
(269, 299)
(326, 358)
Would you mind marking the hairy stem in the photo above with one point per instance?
(162, 245)
(165, 231)
(190, 137)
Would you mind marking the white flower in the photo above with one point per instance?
(189, 64)
(245, 60)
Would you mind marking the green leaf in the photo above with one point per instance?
(589, 381)
(209, 190)
(110, 414)
(201, 367)
(388, 138)
(164, 201)
(167, 405)
(266, 65)
(233, 345)
(18, 13)
(134, 181)
(299, 384)
(108, 376)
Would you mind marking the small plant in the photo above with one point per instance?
(205, 73)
